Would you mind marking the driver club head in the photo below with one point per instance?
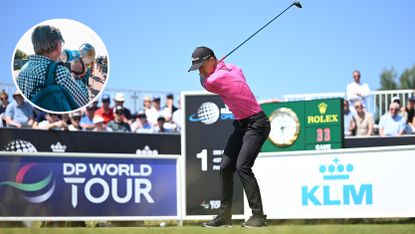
(297, 4)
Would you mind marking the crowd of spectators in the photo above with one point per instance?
(111, 116)
(397, 121)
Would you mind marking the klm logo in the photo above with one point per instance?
(336, 176)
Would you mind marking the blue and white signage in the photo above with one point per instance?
(347, 183)
(62, 186)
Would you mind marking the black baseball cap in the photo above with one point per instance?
(106, 98)
(199, 56)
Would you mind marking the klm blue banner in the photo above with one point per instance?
(44, 186)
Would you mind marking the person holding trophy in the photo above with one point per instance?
(46, 79)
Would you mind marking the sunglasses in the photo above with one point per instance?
(358, 106)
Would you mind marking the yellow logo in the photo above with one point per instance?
(322, 107)
(322, 118)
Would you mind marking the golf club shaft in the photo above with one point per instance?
(256, 32)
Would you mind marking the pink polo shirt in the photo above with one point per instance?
(229, 83)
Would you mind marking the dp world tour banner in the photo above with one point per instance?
(62, 186)
(353, 183)
(207, 126)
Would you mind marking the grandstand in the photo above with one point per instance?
(134, 98)
(378, 102)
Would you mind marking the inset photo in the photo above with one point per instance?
(60, 65)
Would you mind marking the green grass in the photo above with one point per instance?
(291, 229)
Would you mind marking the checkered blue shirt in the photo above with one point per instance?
(31, 79)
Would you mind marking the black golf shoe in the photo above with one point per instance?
(218, 221)
(255, 221)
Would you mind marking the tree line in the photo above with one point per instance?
(389, 79)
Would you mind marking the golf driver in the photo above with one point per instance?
(295, 3)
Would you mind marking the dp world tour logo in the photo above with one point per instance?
(336, 189)
(208, 113)
(32, 188)
(212, 204)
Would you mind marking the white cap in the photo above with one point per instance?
(97, 119)
(119, 97)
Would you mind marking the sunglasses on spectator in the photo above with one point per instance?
(358, 106)
(77, 118)
(119, 112)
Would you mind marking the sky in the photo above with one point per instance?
(70, 31)
(310, 50)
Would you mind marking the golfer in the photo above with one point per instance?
(251, 129)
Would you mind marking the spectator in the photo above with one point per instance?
(105, 66)
(147, 103)
(95, 105)
(160, 125)
(65, 118)
(100, 61)
(53, 122)
(99, 124)
(397, 100)
(141, 125)
(4, 102)
(19, 114)
(357, 91)
(105, 111)
(117, 125)
(169, 109)
(75, 125)
(87, 121)
(348, 118)
(119, 100)
(362, 121)
(47, 43)
(177, 118)
(39, 116)
(154, 112)
(409, 114)
(392, 124)
(4, 97)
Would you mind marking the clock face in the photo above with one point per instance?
(285, 127)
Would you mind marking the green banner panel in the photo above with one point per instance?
(305, 125)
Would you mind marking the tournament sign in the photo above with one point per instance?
(77, 186)
(305, 125)
(207, 126)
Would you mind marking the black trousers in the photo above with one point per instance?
(240, 153)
